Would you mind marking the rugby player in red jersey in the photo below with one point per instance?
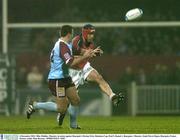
(84, 72)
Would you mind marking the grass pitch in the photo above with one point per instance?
(91, 125)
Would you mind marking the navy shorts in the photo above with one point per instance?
(59, 86)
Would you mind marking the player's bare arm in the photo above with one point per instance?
(98, 51)
(86, 56)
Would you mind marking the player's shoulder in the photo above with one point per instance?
(63, 44)
(77, 41)
(76, 38)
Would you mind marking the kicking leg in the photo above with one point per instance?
(94, 76)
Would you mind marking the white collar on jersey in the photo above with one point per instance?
(63, 41)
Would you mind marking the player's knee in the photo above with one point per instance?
(62, 110)
(76, 102)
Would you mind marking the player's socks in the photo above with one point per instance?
(111, 96)
(50, 106)
(73, 112)
(60, 118)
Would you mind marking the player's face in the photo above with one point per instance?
(90, 37)
(71, 35)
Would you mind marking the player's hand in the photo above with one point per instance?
(98, 51)
(89, 53)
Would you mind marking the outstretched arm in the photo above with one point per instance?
(87, 55)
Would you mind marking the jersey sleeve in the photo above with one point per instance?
(65, 53)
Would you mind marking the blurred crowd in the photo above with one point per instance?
(123, 41)
(114, 41)
(160, 75)
(93, 11)
(120, 41)
(33, 78)
(147, 41)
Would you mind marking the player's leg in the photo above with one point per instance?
(73, 109)
(62, 105)
(94, 76)
(58, 91)
(58, 88)
(74, 106)
(49, 106)
(33, 105)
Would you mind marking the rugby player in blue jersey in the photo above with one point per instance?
(60, 83)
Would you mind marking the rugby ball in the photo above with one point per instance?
(133, 14)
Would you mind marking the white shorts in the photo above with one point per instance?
(79, 76)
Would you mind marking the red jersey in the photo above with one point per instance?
(78, 45)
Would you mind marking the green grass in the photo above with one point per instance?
(91, 125)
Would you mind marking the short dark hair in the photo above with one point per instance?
(65, 29)
(88, 26)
